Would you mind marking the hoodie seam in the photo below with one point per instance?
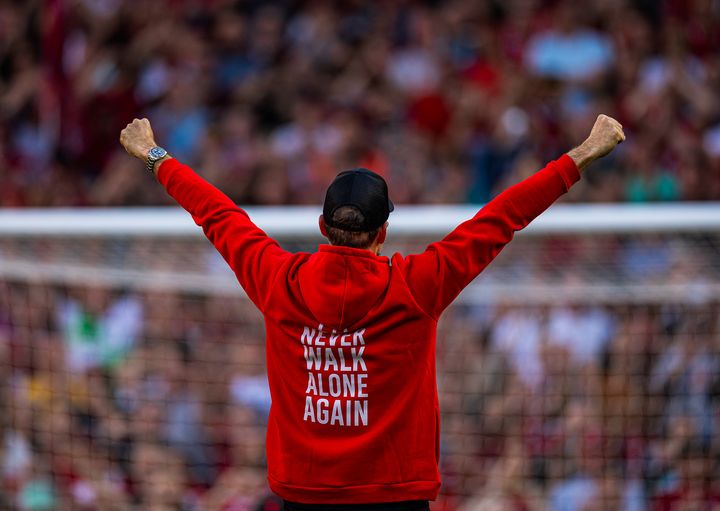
(412, 296)
(280, 272)
(344, 294)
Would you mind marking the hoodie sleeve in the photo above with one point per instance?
(253, 256)
(436, 276)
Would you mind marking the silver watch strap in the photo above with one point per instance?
(151, 161)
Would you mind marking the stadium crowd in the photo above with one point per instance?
(450, 100)
(121, 400)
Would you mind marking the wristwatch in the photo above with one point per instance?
(154, 154)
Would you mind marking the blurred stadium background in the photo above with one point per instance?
(580, 373)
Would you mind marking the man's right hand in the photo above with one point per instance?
(604, 136)
(137, 138)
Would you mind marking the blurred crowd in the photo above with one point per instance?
(125, 400)
(582, 375)
(451, 100)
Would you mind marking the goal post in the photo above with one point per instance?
(300, 222)
(692, 228)
(585, 356)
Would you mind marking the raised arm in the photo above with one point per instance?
(253, 256)
(437, 275)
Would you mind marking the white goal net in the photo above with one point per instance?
(581, 371)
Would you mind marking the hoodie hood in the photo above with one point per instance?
(340, 284)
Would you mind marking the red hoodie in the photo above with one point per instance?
(350, 341)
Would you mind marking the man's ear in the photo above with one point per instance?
(323, 228)
(382, 234)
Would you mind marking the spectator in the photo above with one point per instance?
(98, 329)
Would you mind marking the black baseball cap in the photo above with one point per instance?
(365, 190)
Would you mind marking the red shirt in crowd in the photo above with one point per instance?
(687, 498)
(350, 340)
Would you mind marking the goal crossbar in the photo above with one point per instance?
(300, 222)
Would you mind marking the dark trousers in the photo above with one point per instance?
(407, 505)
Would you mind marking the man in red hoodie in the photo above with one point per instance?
(350, 334)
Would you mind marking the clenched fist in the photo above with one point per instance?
(606, 133)
(137, 138)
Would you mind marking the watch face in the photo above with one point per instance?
(156, 153)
